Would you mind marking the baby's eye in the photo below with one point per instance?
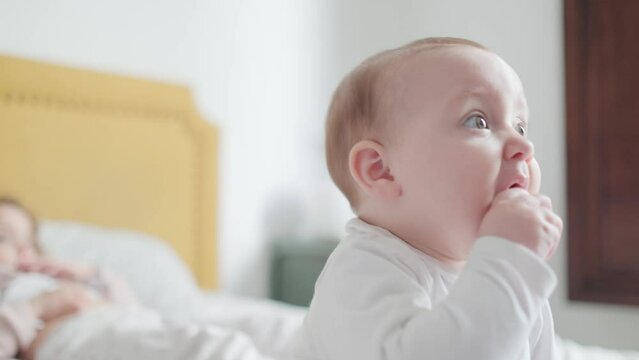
(521, 128)
(476, 122)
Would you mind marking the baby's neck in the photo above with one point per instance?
(452, 264)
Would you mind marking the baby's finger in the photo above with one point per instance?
(29, 266)
(552, 236)
(544, 201)
(24, 265)
(553, 228)
(534, 175)
(554, 219)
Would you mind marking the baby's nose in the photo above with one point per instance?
(519, 148)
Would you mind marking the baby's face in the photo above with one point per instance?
(461, 121)
(16, 235)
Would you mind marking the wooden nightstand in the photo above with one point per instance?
(295, 266)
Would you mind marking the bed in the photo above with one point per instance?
(124, 173)
(112, 151)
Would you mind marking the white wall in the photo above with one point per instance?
(264, 71)
(143, 37)
(259, 74)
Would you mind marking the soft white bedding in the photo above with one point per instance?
(270, 324)
(176, 319)
(157, 276)
(179, 321)
(139, 333)
(207, 326)
(570, 350)
(219, 327)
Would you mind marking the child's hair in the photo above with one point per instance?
(9, 201)
(355, 113)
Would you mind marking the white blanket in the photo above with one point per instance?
(136, 333)
(213, 327)
(570, 350)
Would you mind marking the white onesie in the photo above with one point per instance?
(378, 298)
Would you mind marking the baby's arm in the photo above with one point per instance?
(545, 347)
(543, 332)
(490, 310)
(110, 286)
(18, 327)
(20, 322)
(370, 304)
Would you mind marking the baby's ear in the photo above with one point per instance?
(369, 168)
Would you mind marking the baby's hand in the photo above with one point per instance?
(58, 269)
(534, 173)
(525, 219)
(67, 300)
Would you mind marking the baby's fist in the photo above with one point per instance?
(66, 300)
(525, 219)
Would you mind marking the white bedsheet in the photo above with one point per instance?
(271, 325)
(213, 327)
(570, 350)
(136, 333)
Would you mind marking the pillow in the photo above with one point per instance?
(157, 276)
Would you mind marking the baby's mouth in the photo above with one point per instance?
(520, 182)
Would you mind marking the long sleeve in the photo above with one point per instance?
(545, 347)
(371, 303)
(18, 328)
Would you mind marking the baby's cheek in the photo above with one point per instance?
(534, 173)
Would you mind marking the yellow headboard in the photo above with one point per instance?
(112, 151)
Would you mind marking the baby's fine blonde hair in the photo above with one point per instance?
(356, 113)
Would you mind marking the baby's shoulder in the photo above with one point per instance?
(360, 262)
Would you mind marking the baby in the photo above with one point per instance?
(22, 261)
(445, 259)
(31, 283)
(91, 324)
